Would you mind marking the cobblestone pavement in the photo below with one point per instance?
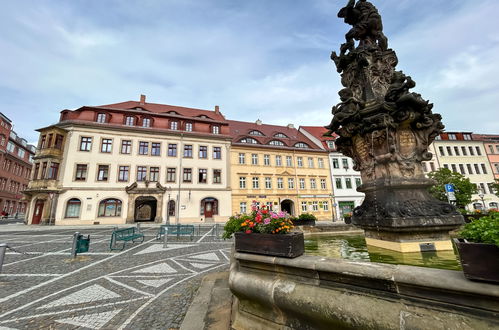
(145, 286)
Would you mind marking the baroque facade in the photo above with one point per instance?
(344, 179)
(132, 161)
(280, 167)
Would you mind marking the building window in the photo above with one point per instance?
(323, 184)
(172, 150)
(202, 175)
(255, 132)
(171, 175)
(463, 150)
(336, 163)
(358, 182)
(141, 173)
(215, 129)
(188, 151)
(281, 136)
(242, 158)
(143, 148)
(320, 162)
(484, 169)
(477, 168)
(468, 166)
(304, 206)
(21, 153)
(217, 153)
(188, 127)
(256, 183)
(103, 173)
(126, 146)
(348, 183)
(42, 141)
(146, 122)
(339, 185)
(478, 151)
(269, 206)
(472, 153)
(291, 183)
(289, 161)
(454, 168)
(110, 208)
(58, 141)
(53, 171)
(315, 206)
(266, 160)
(242, 207)
(280, 183)
(73, 208)
(276, 143)
(85, 143)
(446, 166)
(123, 173)
(101, 118)
(106, 145)
(301, 145)
(491, 148)
(449, 151)
(345, 163)
(248, 140)
(174, 125)
(217, 176)
(254, 159)
(154, 174)
(203, 152)
(130, 121)
(301, 183)
(268, 183)
(278, 161)
(496, 165)
(441, 150)
(187, 177)
(81, 172)
(467, 136)
(299, 161)
(325, 206)
(242, 182)
(452, 136)
(456, 151)
(330, 144)
(155, 149)
(313, 184)
(310, 162)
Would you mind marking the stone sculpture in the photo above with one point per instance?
(386, 129)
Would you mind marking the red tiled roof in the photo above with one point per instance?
(318, 132)
(241, 129)
(164, 108)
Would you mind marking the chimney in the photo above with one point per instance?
(142, 99)
(291, 126)
(258, 122)
(217, 109)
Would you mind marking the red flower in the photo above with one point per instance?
(248, 231)
(265, 211)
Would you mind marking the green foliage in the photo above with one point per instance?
(234, 225)
(495, 187)
(483, 230)
(464, 188)
(306, 217)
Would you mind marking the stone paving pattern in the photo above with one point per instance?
(145, 286)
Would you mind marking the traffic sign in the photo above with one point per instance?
(449, 188)
(451, 196)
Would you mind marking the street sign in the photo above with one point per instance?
(449, 188)
(451, 196)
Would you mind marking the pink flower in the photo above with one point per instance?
(248, 231)
(266, 221)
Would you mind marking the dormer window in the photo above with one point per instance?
(101, 118)
(146, 122)
(301, 145)
(174, 125)
(255, 132)
(203, 116)
(276, 143)
(248, 140)
(172, 113)
(281, 135)
(215, 129)
(188, 127)
(330, 144)
(129, 121)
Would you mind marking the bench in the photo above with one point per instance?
(125, 234)
(176, 230)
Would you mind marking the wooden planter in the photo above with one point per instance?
(303, 223)
(289, 245)
(479, 261)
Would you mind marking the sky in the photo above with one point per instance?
(256, 59)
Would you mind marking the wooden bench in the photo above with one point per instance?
(125, 234)
(176, 230)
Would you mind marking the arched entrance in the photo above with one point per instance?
(209, 207)
(288, 206)
(145, 208)
(38, 211)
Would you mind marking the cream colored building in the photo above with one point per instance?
(133, 161)
(280, 167)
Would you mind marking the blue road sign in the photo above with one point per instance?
(449, 187)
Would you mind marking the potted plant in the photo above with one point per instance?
(478, 247)
(265, 232)
(347, 217)
(305, 219)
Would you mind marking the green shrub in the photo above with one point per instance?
(483, 230)
(306, 217)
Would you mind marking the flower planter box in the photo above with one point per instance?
(289, 245)
(472, 217)
(479, 261)
(303, 223)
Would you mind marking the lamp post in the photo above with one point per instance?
(481, 195)
(169, 190)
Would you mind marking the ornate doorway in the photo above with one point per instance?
(209, 207)
(37, 213)
(145, 208)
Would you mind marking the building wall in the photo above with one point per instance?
(492, 149)
(92, 191)
(316, 201)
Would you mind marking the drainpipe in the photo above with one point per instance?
(296, 180)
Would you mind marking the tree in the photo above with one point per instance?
(495, 187)
(462, 186)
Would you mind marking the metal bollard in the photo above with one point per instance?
(3, 248)
(138, 228)
(75, 242)
(165, 239)
(216, 230)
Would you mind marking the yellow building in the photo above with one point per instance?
(280, 167)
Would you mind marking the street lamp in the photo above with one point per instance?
(169, 189)
(481, 195)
